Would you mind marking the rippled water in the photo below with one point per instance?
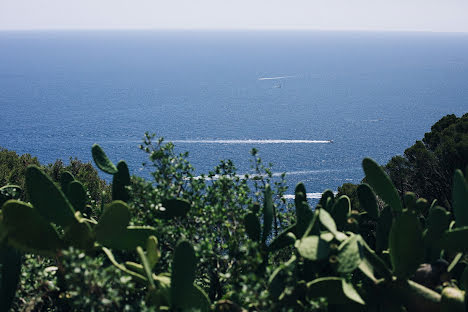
(313, 103)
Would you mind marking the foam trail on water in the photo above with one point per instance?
(275, 78)
(252, 141)
(275, 174)
(308, 195)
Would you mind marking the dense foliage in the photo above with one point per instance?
(427, 167)
(226, 242)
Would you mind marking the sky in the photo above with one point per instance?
(372, 15)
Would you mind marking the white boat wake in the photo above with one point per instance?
(252, 141)
(275, 78)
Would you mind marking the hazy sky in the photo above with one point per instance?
(419, 15)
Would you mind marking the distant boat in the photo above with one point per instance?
(278, 86)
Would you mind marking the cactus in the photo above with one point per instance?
(267, 214)
(349, 255)
(112, 230)
(384, 224)
(255, 230)
(368, 201)
(10, 261)
(47, 199)
(327, 200)
(381, 183)
(102, 161)
(460, 199)
(120, 181)
(77, 195)
(340, 211)
(28, 230)
(253, 226)
(437, 223)
(406, 244)
(313, 248)
(65, 178)
(327, 221)
(304, 214)
(335, 289)
(184, 294)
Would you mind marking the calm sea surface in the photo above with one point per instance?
(219, 94)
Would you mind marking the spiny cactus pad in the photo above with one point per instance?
(48, 199)
(313, 248)
(28, 230)
(77, 195)
(10, 260)
(381, 184)
(184, 295)
(252, 226)
(349, 255)
(406, 244)
(102, 161)
(460, 199)
(335, 289)
(120, 181)
(368, 200)
(267, 214)
(340, 211)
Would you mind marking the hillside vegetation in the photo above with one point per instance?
(224, 242)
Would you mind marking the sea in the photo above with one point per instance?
(313, 103)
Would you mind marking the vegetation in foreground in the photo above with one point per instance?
(222, 242)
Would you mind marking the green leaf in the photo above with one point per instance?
(146, 267)
(252, 226)
(152, 251)
(410, 200)
(183, 276)
(460, 199)
(10, 260)
(284, 239)
(304, 214)
(349, 255)
(368, 201)
(372, 264)
(327, 200)
(130, 238)
(114, 220)
(28, 230)
(48, 199)
(455, 240)
(77, 195)
(327, 221)
(267, 214)
(277, 280)
(313, 248)
(381, 184)
(80, 234)
(120, 181)
(335, 289)
(101, 160)
(65, 178)
(384, 224)
(437, 223)
(112, 232)
(340, 211)
(406, 244)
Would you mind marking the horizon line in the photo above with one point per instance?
(71, 29)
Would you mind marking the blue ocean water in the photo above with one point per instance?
(372, 94)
